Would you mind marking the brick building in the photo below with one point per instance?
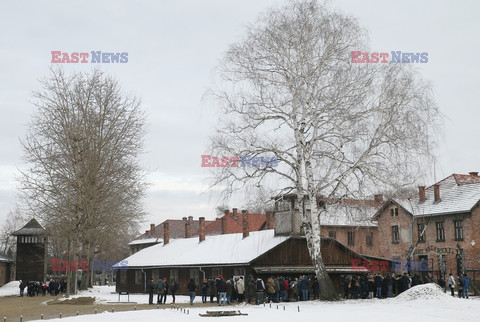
(438, 225)
(349, 221)
(177, 229)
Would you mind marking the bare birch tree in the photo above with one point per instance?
(14, 221)
(82, 148)
(337, 129)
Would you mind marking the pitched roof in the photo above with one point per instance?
(32, 228)
(176, 229)
(459, 193)
(350, 212)
(228, 249)
(235, 224)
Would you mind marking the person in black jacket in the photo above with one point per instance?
(260, 286)
(204, 287)
(211, 287)
(191, 288)
(151, 290)
(174, 290)
(222, 290)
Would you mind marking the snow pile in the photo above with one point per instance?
(11, 288)
(430, 291)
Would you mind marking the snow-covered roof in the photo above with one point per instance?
(458, 193)
(145, 241)
(228, 249)
(350, 214)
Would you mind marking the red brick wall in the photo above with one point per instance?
(360, 234)
(471, 231)
(386, 248)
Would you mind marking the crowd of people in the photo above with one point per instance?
(253, 290)
(362, 286)
(36, 288)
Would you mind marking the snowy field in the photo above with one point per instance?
(421, 303)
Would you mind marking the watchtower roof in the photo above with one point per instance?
(32, 228)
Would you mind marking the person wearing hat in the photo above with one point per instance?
(222, 291)
(165, 291)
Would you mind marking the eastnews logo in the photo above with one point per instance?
(95, 57)
(397, 57)
(209, 161)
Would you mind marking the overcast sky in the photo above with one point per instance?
(173, 47)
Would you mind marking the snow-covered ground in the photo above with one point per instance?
(421, 303)
(11, 288)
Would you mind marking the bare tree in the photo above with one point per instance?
(337, 129)
(82, 148)
(14, 221)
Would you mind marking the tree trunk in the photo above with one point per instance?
(67, 291)
(314, 240)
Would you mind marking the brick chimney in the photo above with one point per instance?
(235, 212)
(246, 229)
(436, 192)
(226, 212)
(201, 221)
(224, 225)
(166, 233)
(188, 229)
(190, 219)
(152, 229)
(147, 232)
(475, 174)
(270, 220)
(421, 194)
(378, 198)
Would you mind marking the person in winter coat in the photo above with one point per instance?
(151, 290)
(191, 289)
(303, 287)
(165, 291)
(404, 282)
(159, 290)
(252, 290)
(364, 286)
(204, 287)
(22, 287)
(316, 289)
(460, 286)
(212, 289)
(270, 290)
(389, 283)
(260, 290)
(174, 290)
(466, 285)
(240, 289)
(222, 291)
(378, 285)
(229, 290)
(294, 288)
(451, 284)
